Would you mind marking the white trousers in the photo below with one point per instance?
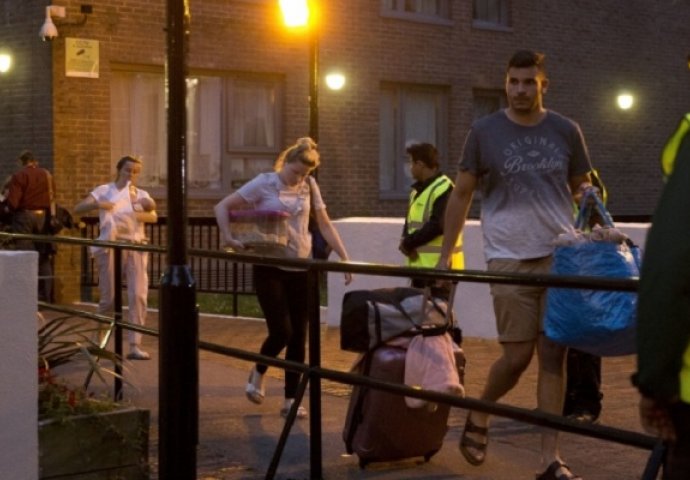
(134, 269)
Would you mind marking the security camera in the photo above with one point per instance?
(49, 30)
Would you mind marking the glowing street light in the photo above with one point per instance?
(295, 12)
(335, 80)
(5, 62)
(625, 101)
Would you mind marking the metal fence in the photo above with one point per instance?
(213, 275)
(312, 372)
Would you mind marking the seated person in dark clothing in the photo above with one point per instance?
(28, 197)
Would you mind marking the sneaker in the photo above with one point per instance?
(255, 387)
(135, 353)
(301, 411)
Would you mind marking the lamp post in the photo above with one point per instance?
(314, 84)
(178, 380)
(302, 14)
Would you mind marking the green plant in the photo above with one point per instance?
(63, 341)
(58, 400)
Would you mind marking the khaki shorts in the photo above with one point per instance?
(519, 309)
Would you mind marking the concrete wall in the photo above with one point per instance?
(18, 370)
(375, 240)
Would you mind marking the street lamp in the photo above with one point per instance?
(625, 101)
(335, 80)
(295, 12)
(301, 13)
(5, 62)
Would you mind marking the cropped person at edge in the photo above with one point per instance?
(282, 291)
(663, 312)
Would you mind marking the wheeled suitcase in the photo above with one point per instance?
(379, 425)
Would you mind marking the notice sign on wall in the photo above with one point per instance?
(81, 58)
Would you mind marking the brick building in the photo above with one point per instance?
(421, 69)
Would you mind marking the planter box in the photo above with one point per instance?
(102, 446)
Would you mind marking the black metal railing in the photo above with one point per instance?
(214, 275)
(313, 373)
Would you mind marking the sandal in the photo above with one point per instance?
(558, 471)
(255, 387)
(301, 412)
(285, 411)
(477, 455)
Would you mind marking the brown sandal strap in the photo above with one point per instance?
(566, 473)
(466, 441)
(472, 428)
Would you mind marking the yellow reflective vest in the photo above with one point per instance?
(418, 214)
(668, 155)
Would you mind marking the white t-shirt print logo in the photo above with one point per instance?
(527, 156)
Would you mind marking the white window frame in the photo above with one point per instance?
(138, 122)
(434, 11)
(486, 101)
(216, 164)
(396, 130)
(243, 160)
(492, 14)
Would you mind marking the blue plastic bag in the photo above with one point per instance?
(599, 322)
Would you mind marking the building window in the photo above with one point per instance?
(417, 9)
(485, 102)
(252, 110)
(232, 127)
(408, 113)
(491, 13)
(137, 123)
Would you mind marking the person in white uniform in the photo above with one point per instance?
(123, 209)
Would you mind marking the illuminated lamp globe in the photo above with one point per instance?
(625, 101)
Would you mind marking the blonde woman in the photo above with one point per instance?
(282, 292)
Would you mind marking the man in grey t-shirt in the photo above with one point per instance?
(529, 163)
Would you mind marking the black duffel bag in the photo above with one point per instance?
(372, 317)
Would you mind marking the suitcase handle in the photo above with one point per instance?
(430, 331)
(449, 302)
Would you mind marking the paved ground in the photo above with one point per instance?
(237, 438)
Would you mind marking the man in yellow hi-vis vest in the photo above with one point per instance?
(663, 315)
(423, 231)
